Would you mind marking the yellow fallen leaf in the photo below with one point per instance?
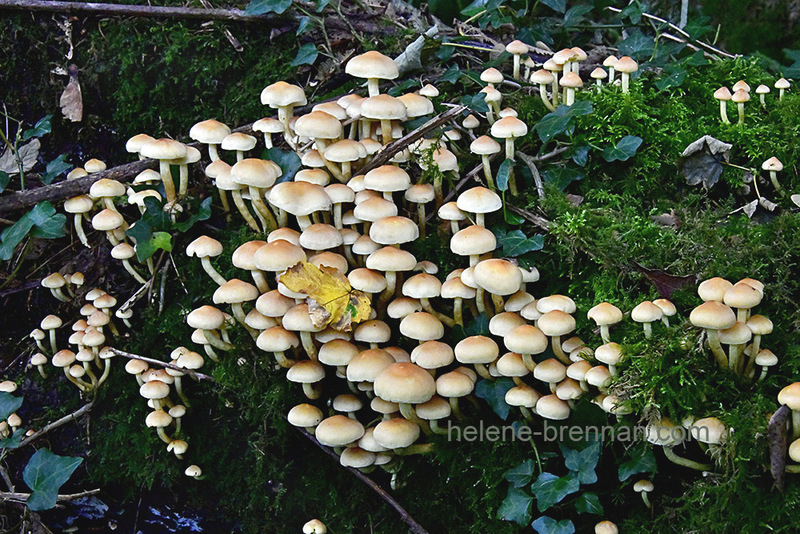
(331, 300)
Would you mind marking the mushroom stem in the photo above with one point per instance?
(132, 272)
(213, 154)
(240, 205)
(554, 90)
(372, 87)
(163, 435)
(605, 333)
(216, 342)
(421, 219)
(723, 111)
(773, 177)
(685, 462)
(282, 360)
(458, 313)
(570, 99)
(544, 97)
(408, 411)
(391, 286)
(209, 269)
(42, 371)
(166, 178)
(526, 413)
(436, 429)
(483, 371)
(716, 348)
(499, 305)
(106, 372)
(648, 330)
(527, 359)
(626, 80)
(455, 408)
(52, 333)
(426, 305)
(79, 383)
(740, 106)
(79, 230)
(261, 209)
(308, 345)
(311, 391)
(386, 131)
(645, 499)
(487, 171)
(183, 188)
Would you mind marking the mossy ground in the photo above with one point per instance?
(261, 476)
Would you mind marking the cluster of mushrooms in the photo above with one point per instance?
(739, 94)
(374, 392)
(13, 422)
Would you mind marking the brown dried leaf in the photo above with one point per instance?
(28, 152)
(71, 100)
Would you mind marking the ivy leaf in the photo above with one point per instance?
(560, 120)
(45, 474)
(5, 179)
(42, 127)
(698, 59)
(580, 154)
(516, 243)
(556, 5)
(476, 103)
(478, 327)
(624, 149)
(8, 404)
(14, 441)
(672, 79)
(576, 15)
(638, 45)
(452, 75)
(516, 507)
(202, 214)
(54, 168)
(589, 503)
(504, 174)
(303, 25)
(511, 217)
(306, 55)
(561, 176)
(287, 160)
(261, 7)
(156, 241)
(642, 460)
(474, 8)
(548, 525)
(582, 463)
(322, 4)
(494, 393)
(550, 489)
(633, 11)
(521, 475)
(13, 235)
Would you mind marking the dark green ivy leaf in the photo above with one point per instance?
(54, 168)
(42, 127)
(642, 460)
(624, 149)
(516, 507)
(556, 5)
(306, 55)
(516, 243)
(504, 174)
(550, 489)
(548, 525)
(262, 7)
(451, 75)
(589, 503)
(5, 179)
(582, 463)
(520, 475)
(45, 474)
(8, 404)
(494, 393)
(287, 160)
(561, 176)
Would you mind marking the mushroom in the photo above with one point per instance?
(626, 66)
(647, 313)
(740, 97)
(714, 316)
(643, 487)
(723, 94)
(165, 150)
(774, 166)
(570, 81)
(210, 132)
(373, 66)
(517, 48)
(305, 416)
(308, 373)
(604, 315)
(762, 91)
(205, 248)
(54, 282)
(782, 85)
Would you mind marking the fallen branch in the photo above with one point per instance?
(23, 497)
(413, 526)
(393, 148)
(193, 374)
(55, 424)
(120, 10)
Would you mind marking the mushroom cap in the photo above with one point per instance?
(765, 358)
(517, 47)
(372, 64)
(723, 93)
(391, 259)
(273, 304)
(367, 280)
(472, 241)
(454, 384)
(255, 172)
(664, 433)
(306, 372)
(497, 276)
(762, 90)
(667, 307)
(332, 108)
(278, 256)
(738, 334)
(522, 396)
(712, 315)
(740, 97)
(435, 409)
(416, 105)
(387, 178)
(556, 323)
(759, 325)
(422, 286)
(569, 389)
(772, 164)
(79, 204)
(429, 90)
(479, 200)
(235, 291)
(605, 313)
(337, 352)
(741, 85)
(598, 376)
(204, 247)
(643, 486)
(646, 312)
(238, 141)
(598, 74)
(343, 151)
(551, 407)
(455, 288)
(449, 212)
(609, 354)
(484, 146)
(244, 256)
(570, 80)
(318, 125)
(338, 431)
(526, 339)
(356, 458)
(210, 132)
(713, 288)
(373, 331)
(709, 430)
(405, 382)
(205, 318)
(550, 370)
(276, 339)
(509, 128)
(556, 302)
(503, 323)
(742, 296)
(626, 64)
(421, 326)
(477, 350)
(268, 125)
(383, 107)
(432, 355)
(542, 77)
(107, 220)
(106, 187)
(782, 83)
(368, 364)
(396, 433)
(280, 94)
(394, 231)
(492, 75)
(299, 198)
(154, 389)
(320, 236)
(789, 395)
(374, 209)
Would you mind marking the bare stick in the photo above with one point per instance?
(23, 497)
(413, 526)
(55, 424)
(106, 9)
(193, 374)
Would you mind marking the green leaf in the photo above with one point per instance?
(261, 7)
(494, 393)
(698, 59)
(560, 177)
(476, 102)
(642, 460)
(548, 525)
(306, 55)
(550, 489)
(589, 503)
(45, 474)
(14, 441)
(510, 217)
(13, 235)
(516, 507)
(673, 79)
(322, 4)
(54, 168)
(559, 121)
(521, 475)
(637, 45)
(287, 160)
(452, 75)
(556, 5)
(478, 327)
(582, 463)
(504, 174)
(624, 149)
(8, 404)
(516, 243)
(5, 179)
(474, 8)
(42, 219)
(303, 25)
(576, 15)
(41, 128)
(580, 154)
(633, 11)
(202, 214)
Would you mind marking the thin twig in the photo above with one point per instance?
(193, 374)
(22, 497)
(531, 217)
(413, 526)
(537, 178)
(55, 424)
(108, 9)
(396, 146)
